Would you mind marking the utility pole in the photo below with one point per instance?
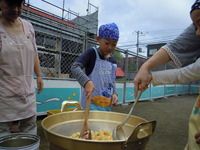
(137, 45)
(63, 9)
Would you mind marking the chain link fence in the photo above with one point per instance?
(57, 53)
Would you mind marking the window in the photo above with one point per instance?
(152, 51)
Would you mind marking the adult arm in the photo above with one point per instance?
(142, 78)
(177, 76)
(181, 51)
(38, 73)
(37, 70)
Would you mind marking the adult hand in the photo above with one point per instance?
(197, 137)
(141, 80)
(89, 88)
(114, 99)
(40, 84)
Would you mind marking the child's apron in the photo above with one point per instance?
(194, 126)
(17, 91)
(103, 77)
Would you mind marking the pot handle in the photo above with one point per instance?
(66, 104)
(142, 130)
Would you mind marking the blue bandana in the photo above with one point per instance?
(195, 6)
(109, 31)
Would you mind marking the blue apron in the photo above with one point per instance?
(103, 77)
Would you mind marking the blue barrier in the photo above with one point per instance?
(57, 91)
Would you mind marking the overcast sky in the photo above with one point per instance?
(156, 20)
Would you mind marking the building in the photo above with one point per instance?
(151, 50)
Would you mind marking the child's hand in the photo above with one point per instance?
(114, 99)
(89, 88)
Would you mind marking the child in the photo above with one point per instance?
(184, 75)
(98, 80)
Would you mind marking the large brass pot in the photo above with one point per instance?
(59, 127)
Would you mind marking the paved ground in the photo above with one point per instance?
(171, 114)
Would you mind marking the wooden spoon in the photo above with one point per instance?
(86, 132)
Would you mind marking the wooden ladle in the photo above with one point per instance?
(86, 132)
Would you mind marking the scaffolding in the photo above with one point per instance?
(61, 39)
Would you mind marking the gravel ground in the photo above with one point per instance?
(171, 114)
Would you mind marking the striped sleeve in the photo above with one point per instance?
(79, 74)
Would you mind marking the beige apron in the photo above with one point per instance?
(17, 91)
(194, 126)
